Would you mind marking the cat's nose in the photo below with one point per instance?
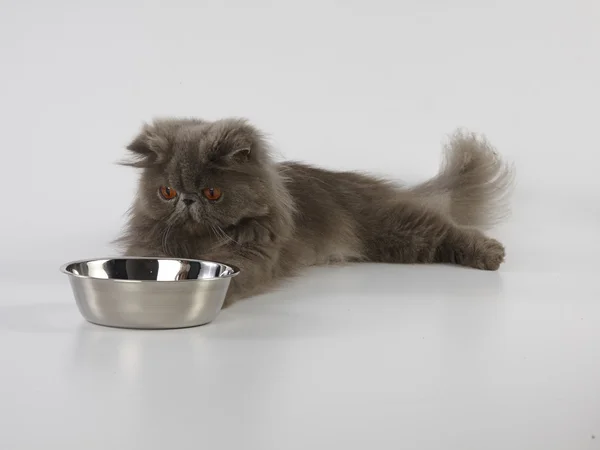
(188, 201)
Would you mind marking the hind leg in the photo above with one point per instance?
(410, 233)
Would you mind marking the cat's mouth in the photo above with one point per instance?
(190, 214)
(193, 222)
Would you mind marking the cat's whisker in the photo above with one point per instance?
(220, 241)
(165, 236)
(227, 236)
(171, 221)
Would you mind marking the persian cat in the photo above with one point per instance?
(211, 190)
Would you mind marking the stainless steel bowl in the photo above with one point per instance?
(149, 293)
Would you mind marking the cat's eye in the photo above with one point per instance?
(212, 194)
(168, 193)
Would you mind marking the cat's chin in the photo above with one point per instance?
(192, 227)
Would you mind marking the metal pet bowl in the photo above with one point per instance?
(149, 293)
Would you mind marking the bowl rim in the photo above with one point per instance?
(64, 270)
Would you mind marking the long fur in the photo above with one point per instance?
(473, 185)
(277, 218)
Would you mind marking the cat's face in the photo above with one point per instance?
(201, 176)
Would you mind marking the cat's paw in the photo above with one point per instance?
(253, 231)
(489, 254)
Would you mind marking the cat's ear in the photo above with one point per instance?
(236, 142)
(240, 155)
(150, 147)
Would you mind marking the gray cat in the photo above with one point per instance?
(211, 190)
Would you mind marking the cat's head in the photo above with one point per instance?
(202, 176)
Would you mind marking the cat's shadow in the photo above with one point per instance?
(384, 283)
(307, 306)
(303, 307)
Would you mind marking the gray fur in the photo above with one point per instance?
(276, 218)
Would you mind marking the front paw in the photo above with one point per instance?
(253, 231)
(488, 254)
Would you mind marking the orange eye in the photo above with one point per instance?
(168, 193)
(212, 194)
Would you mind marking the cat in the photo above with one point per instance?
(212, 190)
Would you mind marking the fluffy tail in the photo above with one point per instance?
(473, 185)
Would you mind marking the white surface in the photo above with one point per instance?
(382, 357)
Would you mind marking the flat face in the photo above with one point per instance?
(143, 269)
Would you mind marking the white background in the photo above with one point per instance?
(385, 357)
